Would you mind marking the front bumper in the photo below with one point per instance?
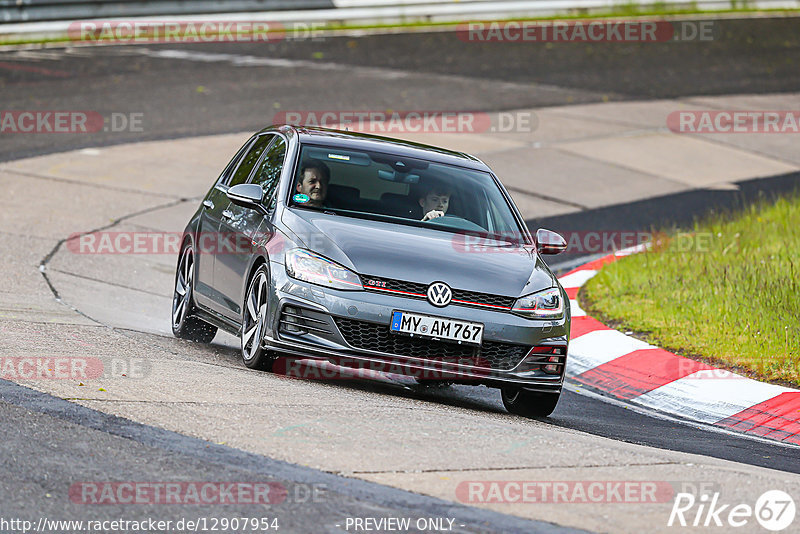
(351, 328)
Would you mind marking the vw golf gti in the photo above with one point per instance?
(362, 251)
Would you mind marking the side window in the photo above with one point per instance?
(500, 221)
(249, 160)
(269, 174)
(226, 174)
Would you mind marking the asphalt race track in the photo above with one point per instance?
(370, 449)
(220, 93)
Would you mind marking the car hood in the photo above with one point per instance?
(421, 255)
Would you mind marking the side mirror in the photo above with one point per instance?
(247, 196)
(548, 242)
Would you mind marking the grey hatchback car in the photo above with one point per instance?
(377, 253)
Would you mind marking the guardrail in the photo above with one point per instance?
(43, 10)
(31, 20)
(16, 11)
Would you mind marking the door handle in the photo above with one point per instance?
(228, 214)
(208, 204)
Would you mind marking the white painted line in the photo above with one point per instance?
(575, 309)
(599, 347)
(577, 279)
(239, 60)
(709, 396)
(581, 390)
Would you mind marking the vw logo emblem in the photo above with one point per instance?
(439, 294)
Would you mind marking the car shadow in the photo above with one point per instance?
(470, 397)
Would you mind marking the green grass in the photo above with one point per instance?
(727, 293)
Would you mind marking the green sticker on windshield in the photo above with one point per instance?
(300, 198)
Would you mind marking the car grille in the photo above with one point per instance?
(376, 337)
(420, 291)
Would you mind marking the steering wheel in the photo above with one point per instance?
(456, 222)
(444, 219)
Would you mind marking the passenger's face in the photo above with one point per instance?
(435, 201)
(313, 185)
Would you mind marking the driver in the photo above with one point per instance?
(434, 200)
(313, 183)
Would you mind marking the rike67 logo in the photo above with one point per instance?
(774, 510)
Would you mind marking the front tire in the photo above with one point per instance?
(254, 322)
(184, 325)
(529, 403)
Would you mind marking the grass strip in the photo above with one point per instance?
(727, 293)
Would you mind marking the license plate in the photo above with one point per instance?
(427, 326)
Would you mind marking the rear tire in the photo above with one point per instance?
(255, 313)
(184, 325)
(529, 403)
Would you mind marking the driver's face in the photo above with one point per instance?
(435, 201)
(314, 186)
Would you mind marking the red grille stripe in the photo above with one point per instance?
(480, 304)
(396, 291)
(373, 288)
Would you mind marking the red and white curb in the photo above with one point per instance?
(634, 371)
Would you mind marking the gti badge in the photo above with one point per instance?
(439, 294)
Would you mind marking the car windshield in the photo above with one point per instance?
(402, 190)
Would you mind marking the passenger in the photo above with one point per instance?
(434, 200)
(313, 184)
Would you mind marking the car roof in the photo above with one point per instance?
(376, 143)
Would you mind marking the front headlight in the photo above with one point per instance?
(546, 304)
(309, 267)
